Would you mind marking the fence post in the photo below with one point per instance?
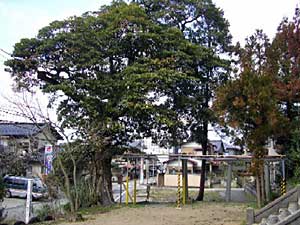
(178, 191)
(134, 191)
(127, 190)
(28, 201)
(283, 181)
(228, 184)
(250, 216)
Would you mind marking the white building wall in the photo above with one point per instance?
(152, 148)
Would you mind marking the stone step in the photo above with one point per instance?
(263, 221)
(283, 213)
(272, 219)
(293, 207)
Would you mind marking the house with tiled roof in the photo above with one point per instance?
(27, 140)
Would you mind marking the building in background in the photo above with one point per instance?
(27, 141)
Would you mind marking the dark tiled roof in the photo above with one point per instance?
(218, 145)
(20, 129)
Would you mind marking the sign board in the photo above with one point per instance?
(48, 149)
(48, 159)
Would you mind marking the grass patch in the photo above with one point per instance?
(170, 195)
(98, 209)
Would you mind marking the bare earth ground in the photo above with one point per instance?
(206, 213)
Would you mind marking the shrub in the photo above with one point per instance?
(2, 189)
(2, 194)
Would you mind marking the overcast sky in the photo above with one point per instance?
(23, 18)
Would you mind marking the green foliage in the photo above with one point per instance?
(2, 194)
(13, 164)
(113, 68)
(99, 209)
(86, 197)
(203, 24)
(2, 189)
(88, 58)
(247, 103)
(44, 212)
(293, 155)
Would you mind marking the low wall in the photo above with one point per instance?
(170, 180)
(273, 207)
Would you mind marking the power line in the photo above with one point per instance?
(3, 56)
(7, 53)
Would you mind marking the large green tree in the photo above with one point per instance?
(203, 24)
(115, 75)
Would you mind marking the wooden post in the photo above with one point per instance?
(127, 190)
(147, 170)
(283, 181)
(153, 168)
(120, 181)
(120, 193)
(134, 191)
(283, 168)
(185, 191)
(228, 184)
(250, 216)
(178, 191)
(267, 181)
(142, 171)
(135, 169)
(210, 174)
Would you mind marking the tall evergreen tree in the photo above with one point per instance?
(248, 103)
(203, 24)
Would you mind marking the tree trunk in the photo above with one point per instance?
(258, 191)
(104, 184)
(76, 198)
(200, 196)
(204, 144)
(67, 190)
(262, 185)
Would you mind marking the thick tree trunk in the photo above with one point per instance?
(104, 184)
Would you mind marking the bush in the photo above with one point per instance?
(52, 186)
(43, 212)
(2, 194)
(48, 212)
(2, 189)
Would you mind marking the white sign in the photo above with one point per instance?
(48, 149)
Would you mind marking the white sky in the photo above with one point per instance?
(21, 19)
(245, 16)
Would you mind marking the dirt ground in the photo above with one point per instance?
(214, 213)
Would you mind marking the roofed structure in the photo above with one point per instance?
(16, 129)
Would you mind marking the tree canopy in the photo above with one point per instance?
(116, 75)
(203, 24)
